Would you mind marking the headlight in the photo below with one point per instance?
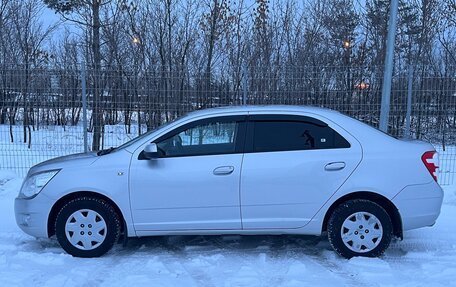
(35, 183)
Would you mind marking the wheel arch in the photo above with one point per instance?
(384, 202)
(63, 200)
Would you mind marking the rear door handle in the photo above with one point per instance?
(335, 166)
(223, 170)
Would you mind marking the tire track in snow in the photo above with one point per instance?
(314, 254)
(185, 261)
(272, 275)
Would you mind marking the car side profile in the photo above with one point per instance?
(238, 170)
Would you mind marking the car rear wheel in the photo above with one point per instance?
(87, 227)
(360, 228)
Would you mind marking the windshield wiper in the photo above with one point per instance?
(105, 151)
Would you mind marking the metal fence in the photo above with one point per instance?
(48, 112)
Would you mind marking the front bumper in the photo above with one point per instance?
(32, 214)
(419, 205)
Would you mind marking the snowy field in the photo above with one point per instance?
(53, 141)
(427, 257)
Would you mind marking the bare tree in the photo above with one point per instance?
(87, 14)
(29, 34)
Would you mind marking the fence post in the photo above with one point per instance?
(389, 57)
(244, 84)
(84, 105)
(408, 116)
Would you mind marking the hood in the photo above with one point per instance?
(62, 161)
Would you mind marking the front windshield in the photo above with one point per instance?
(139, 138)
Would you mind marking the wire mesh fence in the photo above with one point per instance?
(42, 111)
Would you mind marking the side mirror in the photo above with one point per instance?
(150, 151)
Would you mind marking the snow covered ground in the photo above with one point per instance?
(53, 141)
(427, 257)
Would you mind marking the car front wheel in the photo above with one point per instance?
(87, 227)
(360, 228)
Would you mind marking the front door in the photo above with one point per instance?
(194, 184)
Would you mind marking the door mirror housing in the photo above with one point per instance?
(150, 151)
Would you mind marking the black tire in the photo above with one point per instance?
(345, 210)
(104, 209)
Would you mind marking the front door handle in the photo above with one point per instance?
(335, 166)
(223, 170)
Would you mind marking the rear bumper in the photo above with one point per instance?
(419, 205)
(32, 215)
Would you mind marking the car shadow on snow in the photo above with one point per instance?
(226, 244)
(193, 245)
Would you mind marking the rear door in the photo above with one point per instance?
(292, 166)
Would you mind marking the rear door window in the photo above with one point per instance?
(301, 133)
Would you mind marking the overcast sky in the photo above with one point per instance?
(49, 16)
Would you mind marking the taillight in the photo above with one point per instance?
(431, 161)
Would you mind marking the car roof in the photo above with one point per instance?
(360, 130)
(265, 108)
